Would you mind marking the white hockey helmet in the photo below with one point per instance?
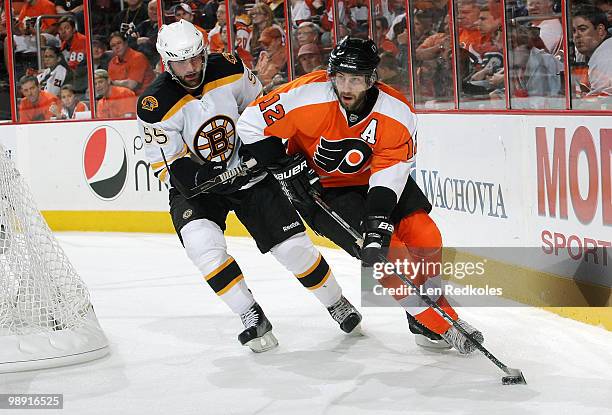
(180, 41)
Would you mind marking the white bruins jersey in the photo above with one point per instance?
(174, 123)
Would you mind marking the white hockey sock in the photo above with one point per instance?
(205, 246)
(300, 257)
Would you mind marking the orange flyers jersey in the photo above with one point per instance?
(76, 53)
(379, 150)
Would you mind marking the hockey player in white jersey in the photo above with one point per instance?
(187, 118)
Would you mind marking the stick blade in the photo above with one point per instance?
(515, 377)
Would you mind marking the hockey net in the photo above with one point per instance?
(46, 318)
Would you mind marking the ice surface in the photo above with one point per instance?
(174, 347)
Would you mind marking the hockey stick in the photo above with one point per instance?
(226, 176)
(514, 376)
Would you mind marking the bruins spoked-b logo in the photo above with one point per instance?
(216, 139)
(347, 156)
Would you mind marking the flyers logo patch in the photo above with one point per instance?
(149, 103)
(347, 156)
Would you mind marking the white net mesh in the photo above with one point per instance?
(39, 289)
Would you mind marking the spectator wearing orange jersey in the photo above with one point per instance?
(489, 24)
(242, 27)
(128, 68)
(273, 60)
(434, 67)
(73, 43)
(35, 104)
(242, 30)
(34, 8)
(468, 15)
(71, 105)
(113, 101)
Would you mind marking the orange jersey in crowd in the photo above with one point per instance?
(469, 37)
(216, 43)
(40, 110)
(378, 150)
(134, 66)
(76, 51)
(34, 10)
(119, 103)
(242, 27)
(203, 31)
(79, 107)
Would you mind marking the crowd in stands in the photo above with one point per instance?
(418, 48)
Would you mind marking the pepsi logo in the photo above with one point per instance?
(105, 163)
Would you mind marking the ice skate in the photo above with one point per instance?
(459, 342)
(258, 333)
(424, 337)
(347, 316)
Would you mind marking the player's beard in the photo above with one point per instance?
(351, 101)
(192, 80)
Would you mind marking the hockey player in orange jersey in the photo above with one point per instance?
(358, 137)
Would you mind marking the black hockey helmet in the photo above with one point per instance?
(354, 55)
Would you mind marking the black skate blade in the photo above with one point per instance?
(515, 377)
(349, 324)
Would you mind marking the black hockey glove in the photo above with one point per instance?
(377, 231)
(186, 174)
(297, 180)
(209, 170)
(212, 169)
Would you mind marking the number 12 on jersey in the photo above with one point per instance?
(273, 114)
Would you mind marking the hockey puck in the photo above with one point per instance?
(514, 380)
